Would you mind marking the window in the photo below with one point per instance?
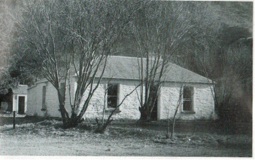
(44, 98)
(112, 95)
(188, 99)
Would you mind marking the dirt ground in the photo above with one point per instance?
(47, 138)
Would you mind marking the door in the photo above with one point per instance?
(21, 105)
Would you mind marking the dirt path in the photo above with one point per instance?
(45, 139)
(64, 146)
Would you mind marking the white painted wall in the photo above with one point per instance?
(129, 108)
(35, 100)
(203, 102)
(169, 94)
(52, 104)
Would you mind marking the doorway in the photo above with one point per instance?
(21, 105)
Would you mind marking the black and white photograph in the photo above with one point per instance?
(126, 78)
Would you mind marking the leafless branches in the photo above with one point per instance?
(159, 30)
(60, 38)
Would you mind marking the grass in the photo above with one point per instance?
(121, 138)
(181, 126)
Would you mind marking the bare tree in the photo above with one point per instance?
(42, 47)
(57, 37)
(159, 29)
(96, 26)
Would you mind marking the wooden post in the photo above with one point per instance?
(14, 120)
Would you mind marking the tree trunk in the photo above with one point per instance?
(149, 104)
(73, 121)
(143, 112)
(63, 114)
(68, 122)
(146, 110)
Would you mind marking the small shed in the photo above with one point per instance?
(14, 99)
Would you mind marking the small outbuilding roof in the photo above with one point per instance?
(121, 67)
(20, 89)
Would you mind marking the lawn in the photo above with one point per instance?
(40, 137)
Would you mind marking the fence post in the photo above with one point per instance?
(14, 119)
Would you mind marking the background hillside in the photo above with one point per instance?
(227, 14)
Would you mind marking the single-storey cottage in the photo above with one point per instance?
(121, 76)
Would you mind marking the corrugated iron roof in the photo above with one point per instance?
(121, 67)
(127, 68)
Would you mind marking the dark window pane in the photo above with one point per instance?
(112, 102)
(187, 92)
(187, 106)
(187, 98)
(112, 95)
(112, 89)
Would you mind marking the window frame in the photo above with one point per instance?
(112, 96)
(188, 99)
